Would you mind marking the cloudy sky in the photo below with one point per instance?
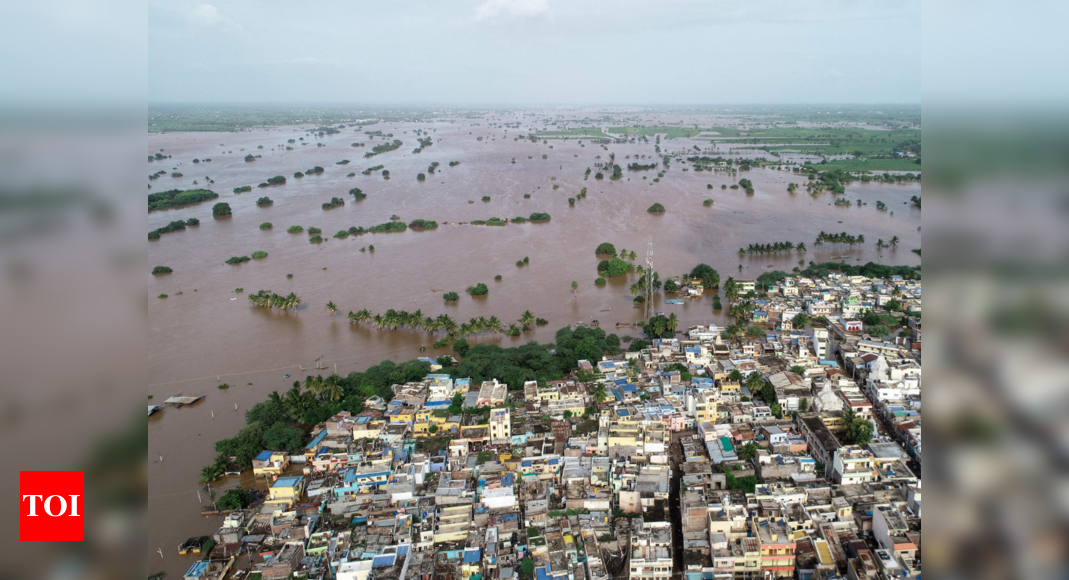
(515, 52)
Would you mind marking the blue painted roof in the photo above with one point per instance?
(616, 393)
(620, 382)
(427, 360)
(290, 481)
(197, 570)
(623, 413)
(315, 441)
(264, 456)
(630, 388)
(472, 555)
(506, 480)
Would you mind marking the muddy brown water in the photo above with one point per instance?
(208, 334)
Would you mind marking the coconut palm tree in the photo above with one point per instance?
(332, 389)
(894, 242)
(527, 318)
(801, 247)
(635, 289)
(600, 394)
(332, 309)
(673, 322)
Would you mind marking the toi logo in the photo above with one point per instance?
(51, 506)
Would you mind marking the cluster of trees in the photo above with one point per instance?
(538, 217)
(661, 326)
(656, 208)
(384, 148)
(858, 429)
(237, 259)
(172, 227)
(613, 268)
(773, 248)
(161, 270)
(264, 201)
(403, 320)
(423, 224)
(276, 180)
(268, 299)
(479, 289)
(747, 185)
(892, 243)
(840, 238)
(388, 227)
(371, 170)
(178, 198)
(357, 194)
(710, 278)
(640, 167)
(243, 189)
(451, 296)
(221, 209)
(333, 203)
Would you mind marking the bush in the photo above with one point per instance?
(192, 222)
(497, 278)
(420, 177)
(571, 201)
(333, 203)
(357, 194)
(259, 254)
(708, 202)
(486, 198)
(423, 224)
(263, 201)
(234, 499)
(479, 289)
(316, 239)
(599, 282)
(161, 296)
(243, 189)
(266, 226)
(221, 209)
(656, 208)
(276, 180)
(605, 249)
(295, 229)
(298, 175)
(538, 217)
(238, 259)
(314, 231)
(451, 296)
(342, 234)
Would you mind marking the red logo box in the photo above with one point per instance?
(52, 506)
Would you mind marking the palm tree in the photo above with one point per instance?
(331, 389)
(880, 243)
(861, 238)
(801, 247)
(894, 242)
(274, 398)
(600, 394)
(527, 318)
(210, 473)
(332, 308)
(673, 322)
(575, 286)
(635, 289)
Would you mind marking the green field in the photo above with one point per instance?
(668, 132)
(578, 132)
(873, 165)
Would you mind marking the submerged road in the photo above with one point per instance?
(676, 461)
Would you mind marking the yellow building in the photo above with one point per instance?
(286, 490)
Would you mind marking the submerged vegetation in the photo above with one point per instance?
(175, 198)
(268, 299)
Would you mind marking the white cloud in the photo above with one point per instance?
(208, 16)
(493, 10)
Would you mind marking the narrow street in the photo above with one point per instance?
(676, 461)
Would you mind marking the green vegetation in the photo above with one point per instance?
(295, 229)
(479, 289)
(266, 226)
(234, 499)
(384, 148)
(259, 254)
(162, 296)
(710, 278)
(221, 209)
(357, 194)
(451, 296)
(243, 189)
(171, 227)
(161, 270)
(661, 326)
(264, 201)
(605, 249)
(371, 170)
(175, 198)
(333, 203)
(773, 248)
(268, 299)
(341, 234)
(708, 202)
(238, 259)
(599, 281)
(316, 239)
(314, 230)
(656, 208)
(613, 268)
(388, 227)
(486, 198)
(423, 224)
(538, 217)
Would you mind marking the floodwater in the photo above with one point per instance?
(209, 334)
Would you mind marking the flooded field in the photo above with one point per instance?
(204, 333)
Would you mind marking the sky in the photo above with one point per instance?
(534, 52)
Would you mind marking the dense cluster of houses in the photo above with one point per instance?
(632, 467)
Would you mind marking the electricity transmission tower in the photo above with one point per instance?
(649, 277)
